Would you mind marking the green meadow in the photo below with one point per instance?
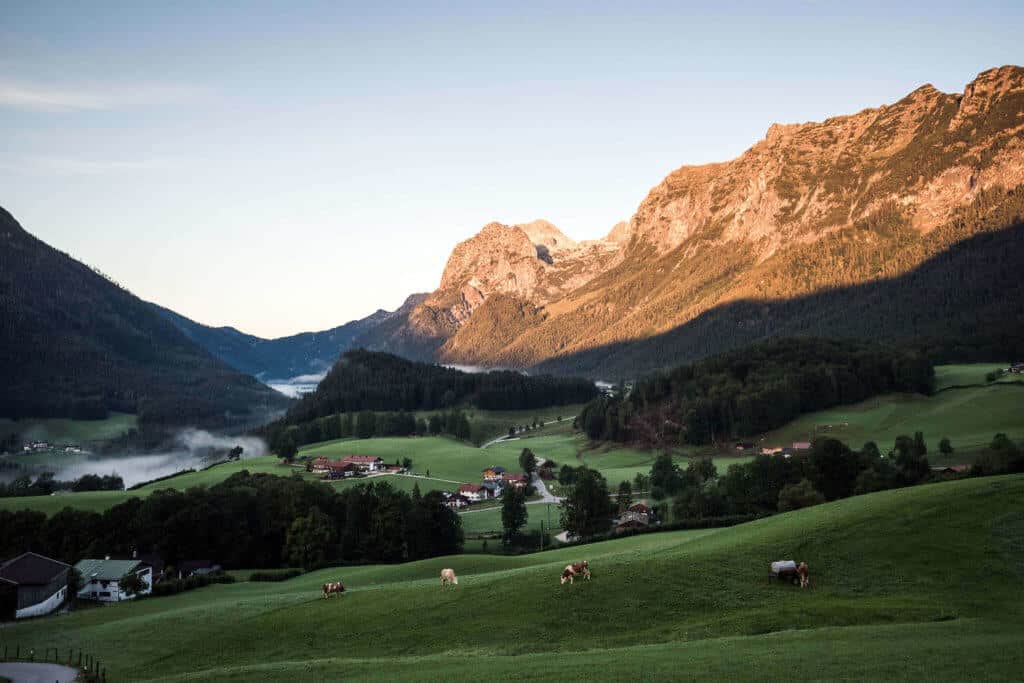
(913, 584)
(969, 416)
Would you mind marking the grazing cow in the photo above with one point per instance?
(803, 571)
(788, 570)
(448, 578)
(333, 587)
(573, 570)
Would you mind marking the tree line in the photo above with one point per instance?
(752, 390)
(370, 380)
(45, 484)
(830, 470)
(248, 520)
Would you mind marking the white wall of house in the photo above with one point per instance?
(44, 607)
(111, 592)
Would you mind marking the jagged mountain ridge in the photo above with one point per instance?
(812, 206)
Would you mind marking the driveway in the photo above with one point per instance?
(23, 672)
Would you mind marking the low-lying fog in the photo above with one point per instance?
(295, 387)
(194, 448)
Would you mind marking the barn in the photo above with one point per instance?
(32, 585)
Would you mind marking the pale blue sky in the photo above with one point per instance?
(283, 167)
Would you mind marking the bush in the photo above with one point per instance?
(799, 495)
(175, 586)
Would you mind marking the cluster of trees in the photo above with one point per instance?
(248, 520)
(285, 438)
(752, 390)
(45, 484)
(369, 380)
(829, 470)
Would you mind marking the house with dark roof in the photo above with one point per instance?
(519, 481)
(493, 473)
(32, 585)
(101, 579)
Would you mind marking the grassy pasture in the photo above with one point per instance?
(913, 584)
(970, 417)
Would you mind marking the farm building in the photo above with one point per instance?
(101, 578)
(493, 473)
(337, 469)
(640, 508)
(771, 450)
(801, 445)
(321, 465)
(456, 501)
(639, 517)
(364, 463)
(394, 469)
(32, 585)
(517, 480)
(474, 492)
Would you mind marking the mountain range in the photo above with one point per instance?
(901, 222)
(897, 223)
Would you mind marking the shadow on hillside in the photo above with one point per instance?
(965, 303)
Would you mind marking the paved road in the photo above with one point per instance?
(23, 672)
(516, 438)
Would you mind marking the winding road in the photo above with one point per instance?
(25, 672)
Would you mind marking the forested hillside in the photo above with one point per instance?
(371, 380)
(77, 345)
(752, 390)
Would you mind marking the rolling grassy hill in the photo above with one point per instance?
(914, 584)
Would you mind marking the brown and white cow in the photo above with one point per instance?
(333, 587)
(573, 570)
(804, 572)
(448, 578)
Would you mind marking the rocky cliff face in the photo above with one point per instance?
(812, 206)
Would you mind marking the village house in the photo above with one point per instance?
(744, 445)
(1017, 368)
(519, 481)
(771, 450)
(493, 473)
(364, 463)
(321, 465)
(394, 469)
(101, 578)
(32, 585)
(546, 470)
(456, 501)
(801, 445)
(641, 508)
(474, 492)
(336, 469)
(494, 488)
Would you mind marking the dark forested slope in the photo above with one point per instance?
(75, 344)
(370, 380)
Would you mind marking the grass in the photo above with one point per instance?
(913, 584)
(62, 430)
(970, 417)
(964, 374)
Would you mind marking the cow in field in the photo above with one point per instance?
(448, 578)
(333, 587)
(573, 570)
(788, 570)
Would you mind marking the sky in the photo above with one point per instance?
(285, 167)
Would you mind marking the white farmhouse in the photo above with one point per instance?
(101, 578)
